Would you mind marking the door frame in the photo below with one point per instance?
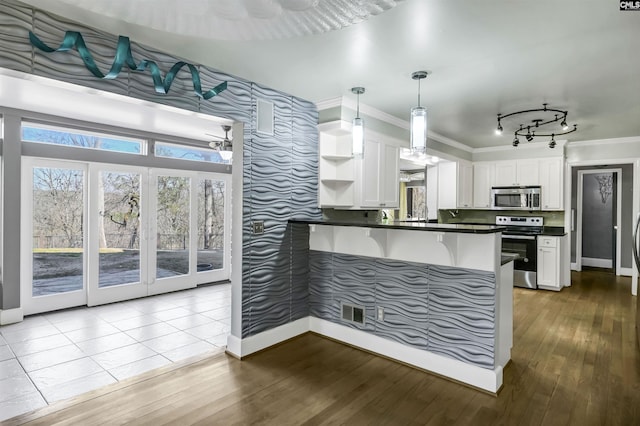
(579, 200)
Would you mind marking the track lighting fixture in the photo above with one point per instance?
(536, 129)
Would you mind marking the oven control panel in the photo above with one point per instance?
(520, 220)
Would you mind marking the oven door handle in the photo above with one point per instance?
(519, 237)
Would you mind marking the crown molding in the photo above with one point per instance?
(632, 139)
(525, 146)
(387, 118)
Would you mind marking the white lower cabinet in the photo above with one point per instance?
(551, 262)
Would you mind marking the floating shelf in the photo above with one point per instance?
(329, 181)
(337, 157)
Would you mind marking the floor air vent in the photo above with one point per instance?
(353, 313)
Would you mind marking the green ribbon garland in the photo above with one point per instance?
(73, 39)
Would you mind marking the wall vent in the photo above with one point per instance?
(352, 313)
(265, 117)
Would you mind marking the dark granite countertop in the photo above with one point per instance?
(507, 257)
(553, 231)
(417, 226)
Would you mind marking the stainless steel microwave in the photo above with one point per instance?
(515, 198)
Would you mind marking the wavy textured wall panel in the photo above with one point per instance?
(354, 284)
(68, 66)
(402, 290)
(321, 285)
(445, 310)
(462, 314)
(15, 21)
(280, 170)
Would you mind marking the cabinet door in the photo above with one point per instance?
(432, 192)
(371, 170)
(465, 185)
(482, 183)
(390, 175)
(447, 185)
(527, 172)
(505, 173)
(548, 267)
(551, 183)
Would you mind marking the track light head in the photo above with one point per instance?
(499, 129)
(515, 142)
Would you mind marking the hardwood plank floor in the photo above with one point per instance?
(575, 361)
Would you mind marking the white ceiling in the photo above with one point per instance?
(486, 57)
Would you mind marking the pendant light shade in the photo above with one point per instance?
(419, 120)
(357, 130)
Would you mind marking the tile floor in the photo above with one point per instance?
(58, 355)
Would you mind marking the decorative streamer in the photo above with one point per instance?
(123, 56)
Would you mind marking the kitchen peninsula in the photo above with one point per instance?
(438, 297)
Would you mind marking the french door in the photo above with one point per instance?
(99, 233)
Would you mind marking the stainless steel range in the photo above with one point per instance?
(520, 239)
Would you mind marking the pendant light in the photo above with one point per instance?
(357, 130)
(419, 120)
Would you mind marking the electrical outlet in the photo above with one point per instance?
(258, 227)
(380, 313)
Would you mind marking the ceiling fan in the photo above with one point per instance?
(224, 146)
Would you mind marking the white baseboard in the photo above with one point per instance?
(627, 272)
(242, 347)
(597, 263)
(10, 316)
(574, 266)
(482, 378)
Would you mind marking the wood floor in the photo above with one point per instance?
(575, 361)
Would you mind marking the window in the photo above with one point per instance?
(184, 152)
(42, 133)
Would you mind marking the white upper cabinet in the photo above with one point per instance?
(483, 179)
(432, 192)
(455, 185)
(380, 175)
(353, 183)
(551, 182)
(527, 172)
(516, 173)
(505, 173)
(465, 184)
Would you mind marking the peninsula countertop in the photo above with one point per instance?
(417, 226)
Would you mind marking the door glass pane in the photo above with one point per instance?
(210, 224)
(173, 217)
(119, 228)
(58, 247)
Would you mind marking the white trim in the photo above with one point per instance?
(574, 266)
(636, 201)
(598, 142)
(526, 146)
(606, 162)
(237, 174)
(10, 316)
(329, 103)
(618, 242)
(626, 272)
(240, 348)
(387, 118)
(597, 263)
(482, 378)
